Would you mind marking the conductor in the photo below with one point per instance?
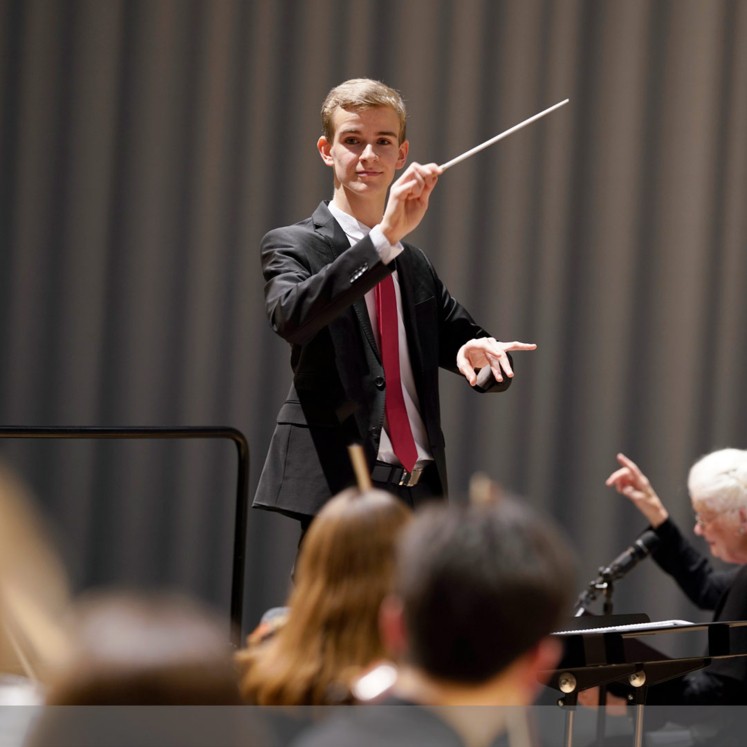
(368, 320)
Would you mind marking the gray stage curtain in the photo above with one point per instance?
(146, 146)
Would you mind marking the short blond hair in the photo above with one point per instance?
(362, 93)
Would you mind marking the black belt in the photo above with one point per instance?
(396, 475)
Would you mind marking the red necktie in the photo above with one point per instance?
(400, 432)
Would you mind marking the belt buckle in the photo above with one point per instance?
(411, 479)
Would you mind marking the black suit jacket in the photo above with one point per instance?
(315, 284)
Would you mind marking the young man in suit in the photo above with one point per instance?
(329, 293)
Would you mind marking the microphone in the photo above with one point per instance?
(629, 559)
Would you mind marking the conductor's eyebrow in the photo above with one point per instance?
(356, 131)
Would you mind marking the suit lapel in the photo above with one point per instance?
(331, 231)
(338, 242)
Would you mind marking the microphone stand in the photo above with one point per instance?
(603, 584)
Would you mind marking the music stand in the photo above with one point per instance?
(598, 656)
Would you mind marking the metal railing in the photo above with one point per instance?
(167, 432)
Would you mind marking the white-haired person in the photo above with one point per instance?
(717, 484)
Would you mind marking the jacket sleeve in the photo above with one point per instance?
(692, 571)
(307, 286)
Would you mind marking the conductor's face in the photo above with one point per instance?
(365, 152)
(721, 530)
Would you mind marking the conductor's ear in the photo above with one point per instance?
(403, 150)
(324, 147)
(532, 668)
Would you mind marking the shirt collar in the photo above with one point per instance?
(354, 229)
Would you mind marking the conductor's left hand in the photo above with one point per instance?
(487, 351)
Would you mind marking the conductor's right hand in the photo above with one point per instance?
(634, 485)
(408, 200)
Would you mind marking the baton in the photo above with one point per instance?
(482, 146)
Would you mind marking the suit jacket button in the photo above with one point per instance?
(379, 381)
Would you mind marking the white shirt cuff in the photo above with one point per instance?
(386, 251)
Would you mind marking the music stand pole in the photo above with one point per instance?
(638, 734)
(568, 731)
(608, 589)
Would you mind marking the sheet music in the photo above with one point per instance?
(628, 628)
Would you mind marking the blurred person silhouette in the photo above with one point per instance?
(478, 590)
(147, 649)
(717, 484)
(34, 598)
(34, 593)
(345, 569)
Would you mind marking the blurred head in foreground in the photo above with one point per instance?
(478, 590)
(345, 569)
(146, 649)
